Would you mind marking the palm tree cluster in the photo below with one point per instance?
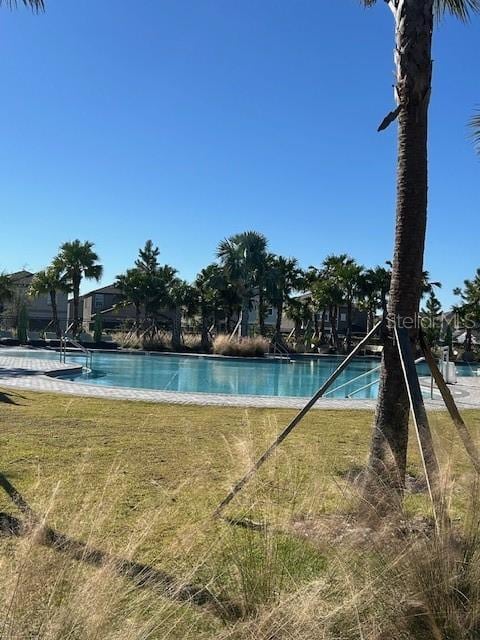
(74, 262)
(247, 277)
(152, 289)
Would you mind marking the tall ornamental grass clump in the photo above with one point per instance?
(244, 347)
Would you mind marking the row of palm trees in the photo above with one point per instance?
(245, 275)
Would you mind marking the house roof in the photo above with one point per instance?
(19, 275)
(110, 288)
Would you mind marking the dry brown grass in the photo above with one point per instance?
(245, 347)
(138, 483)
(161, 341)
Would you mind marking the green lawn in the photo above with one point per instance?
(141, 480)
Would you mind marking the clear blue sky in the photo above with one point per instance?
(186, 121)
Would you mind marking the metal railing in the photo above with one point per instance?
(64, 339)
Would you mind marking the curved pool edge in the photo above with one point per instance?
(46, 376)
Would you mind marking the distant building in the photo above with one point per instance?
(107, 301)
(39, 308)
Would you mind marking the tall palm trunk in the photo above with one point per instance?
(370, 317)
(278, 324)
(244, 320)
(177, 330)
(322, 327)
(137, 319)
(334, 324)
(205, 335)
(316, 328)
(261, 312)
(53, 303)
(76, 306)
(414, 25)
(349, 324)
(468, 339)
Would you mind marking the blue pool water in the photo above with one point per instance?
(297, 378)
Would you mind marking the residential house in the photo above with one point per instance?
(107, 301)
(39, 308)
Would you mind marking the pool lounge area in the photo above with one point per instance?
(161, 377)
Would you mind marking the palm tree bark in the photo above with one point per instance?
(177, 330)
(53, 303)
(334, 325)
(205, 336)
(278, 321)
(245, 315)
(322, 327)
(414, 25)
(76, 306)
(137, 319)
(349, 324)
(261, 312)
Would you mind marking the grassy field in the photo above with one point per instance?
(139, 482)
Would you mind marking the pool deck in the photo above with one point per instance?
(43, 376)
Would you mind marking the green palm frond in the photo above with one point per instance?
(459, 8)
(35, 5)
(475, 127)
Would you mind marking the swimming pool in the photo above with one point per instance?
(260, 377)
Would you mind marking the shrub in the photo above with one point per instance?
(97, 328)
(246, 347)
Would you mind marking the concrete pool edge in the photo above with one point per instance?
(45, 376)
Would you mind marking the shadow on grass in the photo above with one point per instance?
(7, 398)
(142, 575)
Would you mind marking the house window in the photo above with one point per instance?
(343, 317)
(99, 301)
(270, 312)
(327, 316)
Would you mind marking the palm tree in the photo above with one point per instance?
(284, 277)
(414, 24)
(369, 299)
(78, 260)
(50, 281)
(432, 315)
(349, 276)
(131, 285)
(208, 286)
(300, 311)
(6, 290)
(243, 257)
(332, 268)
(316, 282)
(469, 308)
(181, 297)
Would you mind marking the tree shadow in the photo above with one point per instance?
(7, 397)
(142, 575)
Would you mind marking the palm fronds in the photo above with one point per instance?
(459, 8)
(35, 5)
(475, 127)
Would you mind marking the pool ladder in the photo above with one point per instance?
(64, 339)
